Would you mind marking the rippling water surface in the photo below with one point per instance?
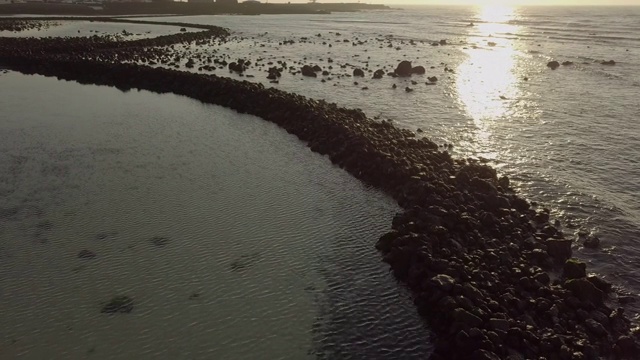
(277, 244)
(122, 31)
(568, 138)
(266, 251)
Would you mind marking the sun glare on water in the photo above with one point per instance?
(486, 81)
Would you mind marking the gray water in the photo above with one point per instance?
(81, 28)
(567, 138)
(269, 251)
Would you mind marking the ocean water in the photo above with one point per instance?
(123, 32)
(262, 248)
(569, 139)
(158, 165)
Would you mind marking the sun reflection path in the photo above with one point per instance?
(486, 82)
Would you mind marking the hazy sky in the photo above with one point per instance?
(483, 2)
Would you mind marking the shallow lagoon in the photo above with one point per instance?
(268, 253)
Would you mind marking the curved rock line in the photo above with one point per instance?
(475, 255)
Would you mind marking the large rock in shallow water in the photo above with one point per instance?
(358, 72)
(308, 71)
(559, 249)
(584, 290)
(574, 269)
(404, 68)
(418, 70)
(553, 65)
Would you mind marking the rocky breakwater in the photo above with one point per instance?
(17, 25)
(477, 258)
(104, 48)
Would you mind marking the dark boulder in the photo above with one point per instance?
(553, 65)
(308, 71)
(238, 67)
(418, 70)
(404, 69)
(625, 347)
(610, 62)
(466, 318)
(559, 249)
(317, 68)
(602, 285)
(591, 242)
(378, 74)
(574, 269)
(358, 73)
(274, 73)
(584, 290)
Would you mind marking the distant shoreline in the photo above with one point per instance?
(180, 8)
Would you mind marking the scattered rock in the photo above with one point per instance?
(553, 65)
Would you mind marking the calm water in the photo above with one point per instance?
(123, 32)
(568, 138)
(269, 252)
(167, 166)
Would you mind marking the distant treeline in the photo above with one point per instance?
(181, 8)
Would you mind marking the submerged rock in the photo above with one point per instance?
(553, 65)
(86, 254)
(159, 241)
(118, 304)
